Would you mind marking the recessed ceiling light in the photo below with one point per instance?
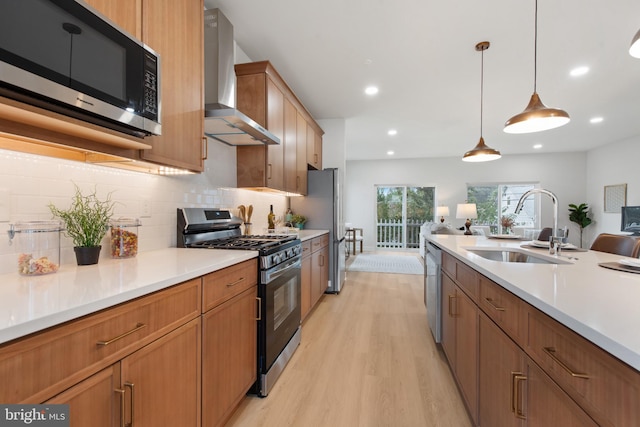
(579, 71)
(596, 120)
(537, 146)
(390, 153)
(392, 132)
(371, 90)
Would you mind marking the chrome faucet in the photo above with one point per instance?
(554, 240)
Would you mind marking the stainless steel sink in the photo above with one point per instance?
(514, 255)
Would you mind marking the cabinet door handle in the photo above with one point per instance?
(321, 260)
(235, 283)
(205, 148)
(451, 313)
(122, 393)
(269, 171)
(130, 386)
(259, 308)
(493, 305)
(516, 398)
(112, 340)
(551, 351)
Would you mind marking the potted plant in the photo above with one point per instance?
(580, 215)
(86, 222)
(507, 221)
(298, 220)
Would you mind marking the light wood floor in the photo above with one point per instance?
(367, 358)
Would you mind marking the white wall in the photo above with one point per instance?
(611, 164)
(35, 181)
(564, 174)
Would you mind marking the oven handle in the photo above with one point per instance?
(281, 269)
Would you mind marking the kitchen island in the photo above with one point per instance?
(549, 339)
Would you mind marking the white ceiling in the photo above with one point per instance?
(421, 54)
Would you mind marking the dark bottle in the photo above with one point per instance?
(271, 219)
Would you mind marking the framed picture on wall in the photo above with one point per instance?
(615, 196)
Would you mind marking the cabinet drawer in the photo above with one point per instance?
(306, 248)
(319, 242)
(222, 285)
(40, 365)
(466, 277)
(502, 307)
(606, 388)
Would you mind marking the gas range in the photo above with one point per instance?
(219, 229)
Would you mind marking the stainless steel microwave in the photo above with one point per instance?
(62, 55)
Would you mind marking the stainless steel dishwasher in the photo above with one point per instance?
(433, 289)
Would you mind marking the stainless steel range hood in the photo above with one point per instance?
(222, 121)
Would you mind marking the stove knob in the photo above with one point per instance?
(275, 258)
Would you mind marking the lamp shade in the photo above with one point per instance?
(466, 210)
(481, 153)
(442, 211)
(634, 50)
(536, 117)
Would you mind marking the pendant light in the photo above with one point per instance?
(537, 116)
(634, 49)
(481, 152)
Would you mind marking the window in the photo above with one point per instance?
(401, 210)
(496, 200)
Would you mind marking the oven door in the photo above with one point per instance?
(280, 293)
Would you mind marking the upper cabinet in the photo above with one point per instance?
(264, 96)
(174, 29)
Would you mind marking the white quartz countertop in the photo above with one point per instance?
(598, 303)
(32, 303)
(310, 234)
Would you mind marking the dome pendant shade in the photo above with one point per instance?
(634, 50)
(481, 153)
(536, 117)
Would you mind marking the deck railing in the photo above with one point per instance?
(390, 233)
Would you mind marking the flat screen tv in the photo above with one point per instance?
(631, 220)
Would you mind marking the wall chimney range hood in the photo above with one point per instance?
(222, 121)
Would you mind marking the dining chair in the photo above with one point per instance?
(544, 235)
(617, 244)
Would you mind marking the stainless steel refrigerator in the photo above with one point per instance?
(323, 208)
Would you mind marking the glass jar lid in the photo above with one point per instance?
(125, 222)
(34, 227)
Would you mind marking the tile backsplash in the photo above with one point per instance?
(28, 183)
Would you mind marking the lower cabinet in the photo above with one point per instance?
(229, 340)
(156, 385)
(183, 356)
(229, 356)
(514, 391)
(315, 272)
(460, 340)
(515, 366)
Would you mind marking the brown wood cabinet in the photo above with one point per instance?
(229, 340)
(161, 381)
(265, 97)
(305, 287)
(315, 271)
(314, 148)
(174, 29)
(115, 364)
(460, 340)
(532, 370)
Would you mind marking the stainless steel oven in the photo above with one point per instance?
(279, 284)
(279, 330)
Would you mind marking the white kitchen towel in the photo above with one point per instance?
(386, 264)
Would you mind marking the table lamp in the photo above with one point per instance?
(468, 211)
(442, 211)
